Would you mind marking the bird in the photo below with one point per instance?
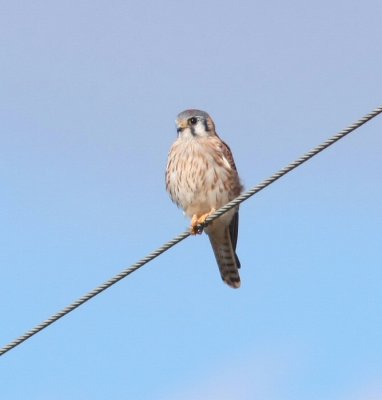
(201, 177)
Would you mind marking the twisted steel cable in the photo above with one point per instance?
(293, 165)
(185, 234)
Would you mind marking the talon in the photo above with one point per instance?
(198, 223)
(194, 225)
(199, 229)
(196, 229)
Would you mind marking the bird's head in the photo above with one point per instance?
(194, 123)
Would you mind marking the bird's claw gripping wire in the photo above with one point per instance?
(199, 223)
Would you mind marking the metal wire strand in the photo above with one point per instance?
(277, 175)
(185, 234)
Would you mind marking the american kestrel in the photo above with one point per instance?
(201, 177)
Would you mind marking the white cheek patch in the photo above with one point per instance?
(200, 129)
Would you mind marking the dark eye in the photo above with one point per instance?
(193, 120)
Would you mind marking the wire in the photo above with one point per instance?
(292, 165)
(185, 234)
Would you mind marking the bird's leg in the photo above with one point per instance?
(197, 223)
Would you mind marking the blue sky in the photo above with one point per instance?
(89, 92)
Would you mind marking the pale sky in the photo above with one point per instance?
(89, 92)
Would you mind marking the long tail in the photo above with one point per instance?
(226, 257)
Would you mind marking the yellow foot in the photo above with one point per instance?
(197, 223)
